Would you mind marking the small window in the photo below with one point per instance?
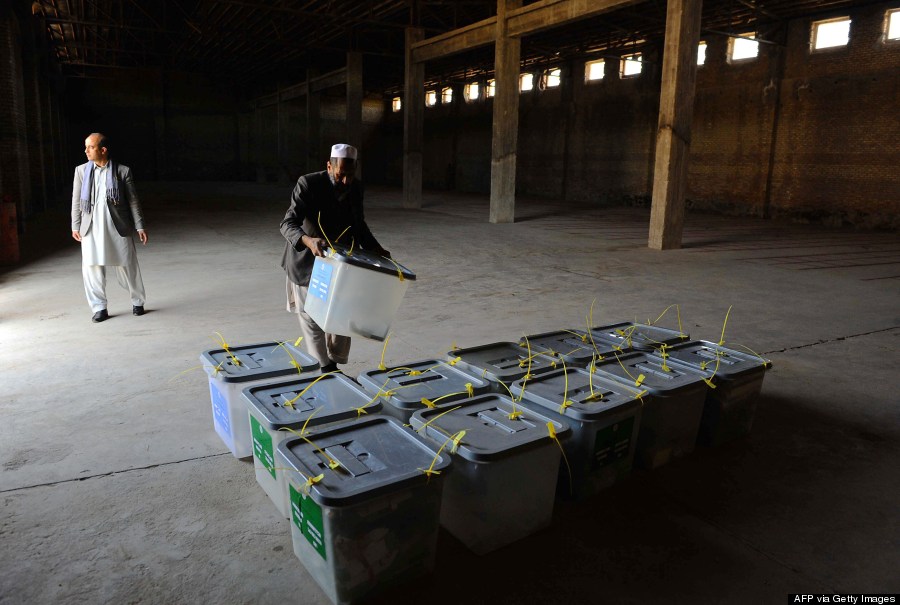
(701, 53)
(552, 78)
(431, 98)
(829, 33)
(396, 104)
(490, 89)
(472, 91)
(743, 48)
(892, 24)
(526, 82)
(631, 65)
(446, 95)
(594, 70)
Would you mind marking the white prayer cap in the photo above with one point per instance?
(342, 150)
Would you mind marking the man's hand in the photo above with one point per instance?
(76, 236)
(316, 244)
(143, 235)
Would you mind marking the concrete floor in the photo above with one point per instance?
(116, 489)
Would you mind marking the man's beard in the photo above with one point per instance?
(340, 189)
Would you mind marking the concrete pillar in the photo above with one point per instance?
(313, 131)
(673, 138)
(160, 119)
(413, 116)
(354, 99)
(279, 137)
(506, 118)
(32, 89)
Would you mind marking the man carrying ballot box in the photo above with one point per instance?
(325, 206)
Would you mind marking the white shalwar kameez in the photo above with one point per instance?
(103, 247)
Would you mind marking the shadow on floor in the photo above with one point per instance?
(684, 532)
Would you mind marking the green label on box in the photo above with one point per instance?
(612, 443)
(262, 445)
(307, 516)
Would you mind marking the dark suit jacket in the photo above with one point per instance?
(313, 202)
(126, 215)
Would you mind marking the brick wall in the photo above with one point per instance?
(15, 177)
(811, 136)
(164, 125)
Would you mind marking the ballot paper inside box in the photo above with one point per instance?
(356, 293)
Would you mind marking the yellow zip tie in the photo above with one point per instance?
(297, 342)
(527, 376)
(234, 359)
(362, 409)
(591, 369)
(430, 470)
(309, 386)
(215, 369)
(583, 337)
(640, 396)
(454, 361)
(516, 412)
(664, 355)
(312, 481)
(553, 436)
(566, 403)
(436, 417)
(589, 319)
(325, 235)
(352, 243)
(709, 381)
(681, 333)
(381, 365)
(332, 463)
(448, 395)
(470, 390)
(342, 233)
(391, 392)
(293, 361)
(765, 362)
(637, 381)
(303, 430)
(399, 270)
(457, 438)
(394, 369)
(427, 403)
(722, 339)
(666, 310)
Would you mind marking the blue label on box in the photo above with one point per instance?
(320, 281)
(220, 409)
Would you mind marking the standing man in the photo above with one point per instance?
(333, 200)
(105, 213)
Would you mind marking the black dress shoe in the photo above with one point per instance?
(137, 310)
(99, 316)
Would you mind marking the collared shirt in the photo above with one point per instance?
(100, 182)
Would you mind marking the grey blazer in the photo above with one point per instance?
(126, 216)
